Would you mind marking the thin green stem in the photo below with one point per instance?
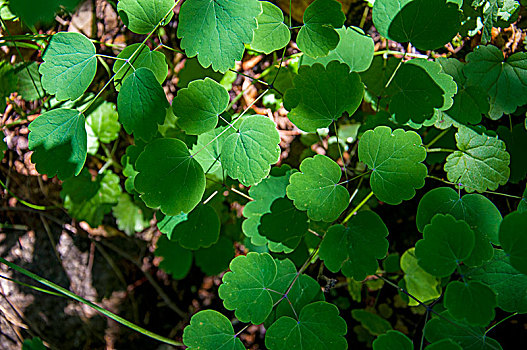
(391, 52)
(38, 289)
(80, 299)
(500, 322)
(356, 209)
(27, 204)
(462, 185)
(432, 150)
(437, 138)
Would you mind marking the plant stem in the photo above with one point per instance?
(499, 322)
(367, 198)
(435, 139)
(431, 150)
(32, 206)
(391, 52)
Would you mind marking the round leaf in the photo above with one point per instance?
(59, 141)
(210, 330)
(514, 240)
(201, 228)
(142, 16)
(447, 243)
(419, 283)
(169, 178)
(315, 189)
(248, 154)
(142, 104)
(318, 36)
(199, 105)
(322, 94)
(69, 65)
(272, 34)
(319, 326)
(177, 260)
(395, 159)
(219, 36)
(473, 302)
(103, 122)
(393, 340)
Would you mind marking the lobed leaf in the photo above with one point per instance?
(272, 34)
(472, 302)
(210, 330)
(142, 16)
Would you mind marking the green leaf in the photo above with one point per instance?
(446, 244)
(471, 302)
(427, 24)
(8, 83)
(207, 150)
(395, 159)
(216, 258)
(247, 155)
(445, 344)
(142, 104)
(516, 142)
(354, 49)
(33, 344)
(69, 65)
(504, 80)
(284, 224)
(481, 163)
(167, 223)
(218, 38)
(210, 330)
(29, 84)
(374, 323)
(468, 337)
(245, 287)
(378, 75)
(272, 34)
(315, 189)
(513, 239)
(476, 210)
(522, 206)
(199, 105)
(103, 122)
(59, 141)
(492, 14)
(129, 216)
(92, 203)
(419, 283)
(142, 16)
(177, 260)
(169, 178)
(319, 326)
(393, 340)
(322, 94)
(144, 58)
(356, 248)
(201, 229)
(418, 88)
(508, 283)
(318, 35)
(32, 12)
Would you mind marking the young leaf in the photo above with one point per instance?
(199, 105)
(200, 229)
(508, 283)
(472, 302)
(315, 189)
(357, 247)
(59, 141)
(216, 258)
(418, 88)
(393, 340)
(103, 122)
(272, 34)
(322, 94)
(354, 49)
(247, 155)
(468, 337)
(516, 142)
(318, 36)
(513, 239)
(446, 244)
(245, 287)
(69, 65)
(142, 104)
(395, 159)
(427, 24)
(169, 178)
(284, 223)
(129, 216)
(481, 163)
(144, 58)
(177, 260)
(372, 322)
(142, 16)
(419, 283)
(504, 80)
(207, 150)
(476, 210)
(91, 206)
(210, 330)
(218, 38)
(319, 326)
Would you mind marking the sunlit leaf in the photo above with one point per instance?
(210, 330)
(419, 283)
(272, 34)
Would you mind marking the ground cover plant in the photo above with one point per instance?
(305, 163)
